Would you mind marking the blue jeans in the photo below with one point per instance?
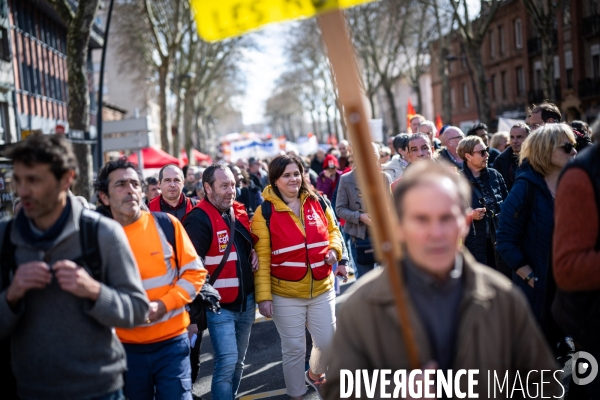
(159, 370)
(360, 269)
(230, 334)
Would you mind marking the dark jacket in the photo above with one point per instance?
(446, 156)
(507, 164)
(250, 196)
(494, 153)
(476, 240)
(199, 228)
(527, 240)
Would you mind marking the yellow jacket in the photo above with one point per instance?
(266, 285)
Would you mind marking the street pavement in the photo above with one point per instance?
(263, 372)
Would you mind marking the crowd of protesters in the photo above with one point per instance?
(202, 248)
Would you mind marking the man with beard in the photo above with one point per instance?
(157, 351)
(209, 228)
(508, 162)
(58, 308)
(172, 200)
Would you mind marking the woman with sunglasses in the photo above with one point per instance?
(524, 236)
(488, 191)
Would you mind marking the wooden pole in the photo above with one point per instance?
(341, 55)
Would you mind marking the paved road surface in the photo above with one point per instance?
(263, 373)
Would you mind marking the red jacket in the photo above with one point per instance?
(228, 281)
(291, 251)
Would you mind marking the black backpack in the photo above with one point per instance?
(91, 259)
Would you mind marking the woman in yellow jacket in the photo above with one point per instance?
(298, 242)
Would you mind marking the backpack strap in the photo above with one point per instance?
(168, 229)
(267, 211)
(88, 236)
(7, 255)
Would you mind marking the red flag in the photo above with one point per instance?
(410, 113)
(438, 123)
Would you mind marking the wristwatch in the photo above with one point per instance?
(529, 277)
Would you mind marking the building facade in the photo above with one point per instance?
(512, 61)
(38, 40)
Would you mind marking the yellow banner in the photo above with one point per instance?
(220, 19)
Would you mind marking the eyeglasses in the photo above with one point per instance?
(483, 152)
(455, 137)
(567, 147)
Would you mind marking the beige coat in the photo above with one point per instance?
(496, 331)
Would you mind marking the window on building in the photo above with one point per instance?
(493, 86)
(501, 39)
(569, 69)
(596, 66)
(520, 81)
(518, 34)
(453, 98)
(4, 49)
(503, 84)
(492, 45)
(567, 14)
(4, 126)
(537, 75)
(466, 101)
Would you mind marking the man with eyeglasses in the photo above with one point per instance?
(488, 191)
(172, 200)
(453, 136)
(544, 113)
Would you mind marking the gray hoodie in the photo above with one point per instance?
(63, 346)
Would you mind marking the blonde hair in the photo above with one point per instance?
(539, 145)
(466, 146)
(496, 137)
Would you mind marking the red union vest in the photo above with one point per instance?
(292, 251)
(228, 282)
(154, 204)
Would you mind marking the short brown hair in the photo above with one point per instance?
(540, 144)
(466, 146)
(426, 172)
(38, 148)
(548, 111)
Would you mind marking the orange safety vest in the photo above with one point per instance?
(292, 251)
(228, 281)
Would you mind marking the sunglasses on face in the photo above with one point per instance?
(483, 152)
(567, 147)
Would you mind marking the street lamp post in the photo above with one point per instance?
(100, 152)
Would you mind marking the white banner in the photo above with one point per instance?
(307, 146)
(254, 148)
(504, 124)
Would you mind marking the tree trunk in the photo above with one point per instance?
(340, 111)
(482, 98)
(389, 95)
(548, 66)
(188, 122)
(417, 89)
(314, 121)
(78, 37)
(177, 123)
(371, 97)
(165, 134)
